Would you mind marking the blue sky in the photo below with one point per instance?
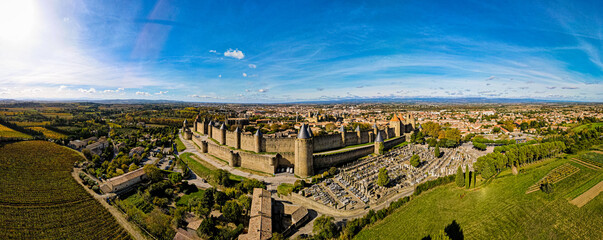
(280, 51)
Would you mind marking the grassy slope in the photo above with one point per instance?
(10, 133)
(179, 145)
(499, 210)
(39, 199)
(204, 169)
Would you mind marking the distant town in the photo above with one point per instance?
(276, 171)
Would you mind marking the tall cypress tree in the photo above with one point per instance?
(437, 151)
(460, 177)
(474, 179)
(467, 177)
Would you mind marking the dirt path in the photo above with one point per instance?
(133, 230)
(588, 195)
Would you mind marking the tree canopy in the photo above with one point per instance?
(383, 178)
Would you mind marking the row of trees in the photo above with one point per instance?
(466, 179)
(492, 163)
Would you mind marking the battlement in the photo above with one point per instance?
(267, 154)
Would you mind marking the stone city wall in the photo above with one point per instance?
(390, 143)
(278, 145)
(286, 159)
(351, 138)
(231, 138)
(262, 163)
(327, 142)
(247, 142)
(221, 152)
(215, 133)
(329, 160)
(364, 136)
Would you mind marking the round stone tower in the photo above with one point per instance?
(223, 134)
(379, 144)
(304, 148)
(209, 128)
(257, 141)
(237, 133)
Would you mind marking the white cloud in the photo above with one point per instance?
(212, 51)
(113, 91)
(62, 87)
(263, 90)
(161, 92)
(91, 90)
(220, 76)
(238, 54)
(143, 93)
(252, 66)
(244, 74)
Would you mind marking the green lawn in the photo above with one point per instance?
(179, 145)
(183, 201)
(284, 188)
(204, 169)
(499, 210)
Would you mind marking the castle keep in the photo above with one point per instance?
(305, 153)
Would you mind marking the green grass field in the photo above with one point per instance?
(204, 169)
(284, 188)
(179, 145)
(183, 201)
(500, 210)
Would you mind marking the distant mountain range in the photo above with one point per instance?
(416, 100)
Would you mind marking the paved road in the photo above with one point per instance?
(271, 182)
(128, 226)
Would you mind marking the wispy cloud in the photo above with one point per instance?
(91, 90)
(146, 94)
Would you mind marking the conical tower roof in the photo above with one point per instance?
(310, 133)
(303, 132)
(342, 128)
(379, 138)
(394, 119)
(222, 127)
(357, 128)
(258, 133)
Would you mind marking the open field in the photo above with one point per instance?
(39, 199)
(500, 209)
(6, 132)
